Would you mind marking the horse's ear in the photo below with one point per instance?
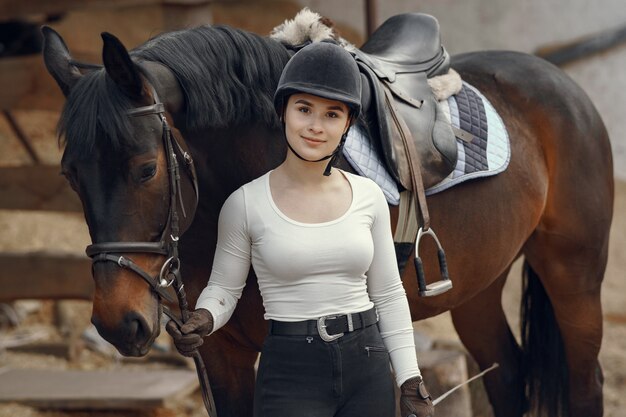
(58, 61)
(120, 67)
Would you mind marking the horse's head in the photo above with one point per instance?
(135, 181)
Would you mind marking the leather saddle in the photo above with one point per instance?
(395, 63)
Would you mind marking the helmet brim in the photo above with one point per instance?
(320, 91)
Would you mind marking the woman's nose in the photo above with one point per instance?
(315, 126)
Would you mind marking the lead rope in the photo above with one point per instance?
(174, 269)
(203, 378)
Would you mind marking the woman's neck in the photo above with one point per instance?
(303, 173)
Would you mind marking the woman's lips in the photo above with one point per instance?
(312, 141)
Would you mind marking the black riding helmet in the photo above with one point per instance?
(325, 70)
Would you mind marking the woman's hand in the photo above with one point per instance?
(190, 336)
(415, 400)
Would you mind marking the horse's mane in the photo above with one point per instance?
(228, 77)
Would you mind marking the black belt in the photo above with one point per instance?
(328, 327)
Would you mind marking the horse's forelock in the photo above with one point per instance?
(95, 115)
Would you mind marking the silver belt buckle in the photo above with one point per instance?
(321, 329)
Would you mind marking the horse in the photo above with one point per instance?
(552, 206)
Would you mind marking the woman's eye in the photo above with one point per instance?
(148, 172)
(303, 109)
(332, 115)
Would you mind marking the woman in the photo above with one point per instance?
(320, 242)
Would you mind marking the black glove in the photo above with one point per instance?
(415, 400)
(190, 336)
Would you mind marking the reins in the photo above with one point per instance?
(167, 245)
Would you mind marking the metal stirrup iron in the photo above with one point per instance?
(438, 287)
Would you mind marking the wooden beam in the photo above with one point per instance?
(12, 153)
(120, 389)
(371, 17)
(12, 9)
(26, 84)
(39, 131)
(21, 136)
(44, 275)
(36, 187)
(62, 349)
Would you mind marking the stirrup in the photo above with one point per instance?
(438, 287)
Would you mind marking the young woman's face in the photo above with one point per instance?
(314, 125)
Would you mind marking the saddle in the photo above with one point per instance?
(417, 142)
(396, 62)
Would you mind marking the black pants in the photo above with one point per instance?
(303, 376)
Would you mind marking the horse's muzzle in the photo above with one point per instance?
(133, 337)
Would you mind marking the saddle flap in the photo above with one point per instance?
(431, 133)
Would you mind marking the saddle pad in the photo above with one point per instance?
(360, 153)
(488, 153)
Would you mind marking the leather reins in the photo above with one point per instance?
(167, 245)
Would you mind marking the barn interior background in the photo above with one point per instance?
(42, 233)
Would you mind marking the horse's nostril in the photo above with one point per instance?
(138, 329)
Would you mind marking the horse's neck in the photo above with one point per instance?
(225, 160)
(228, 158)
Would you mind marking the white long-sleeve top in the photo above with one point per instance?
(309, 270)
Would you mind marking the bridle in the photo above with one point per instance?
(167, 245)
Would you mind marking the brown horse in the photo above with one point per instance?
(553, 205)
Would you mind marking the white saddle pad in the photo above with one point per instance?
(488, 153)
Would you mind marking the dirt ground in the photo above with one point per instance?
(70, 235)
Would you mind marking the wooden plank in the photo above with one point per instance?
(26, 84)
(40, 130)
(21, 136)
(10, 9)
(44, 275)
(95, 390)
(61, 349)
(11, 151)
(36, 187)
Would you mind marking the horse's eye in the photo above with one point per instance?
(148, 171)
